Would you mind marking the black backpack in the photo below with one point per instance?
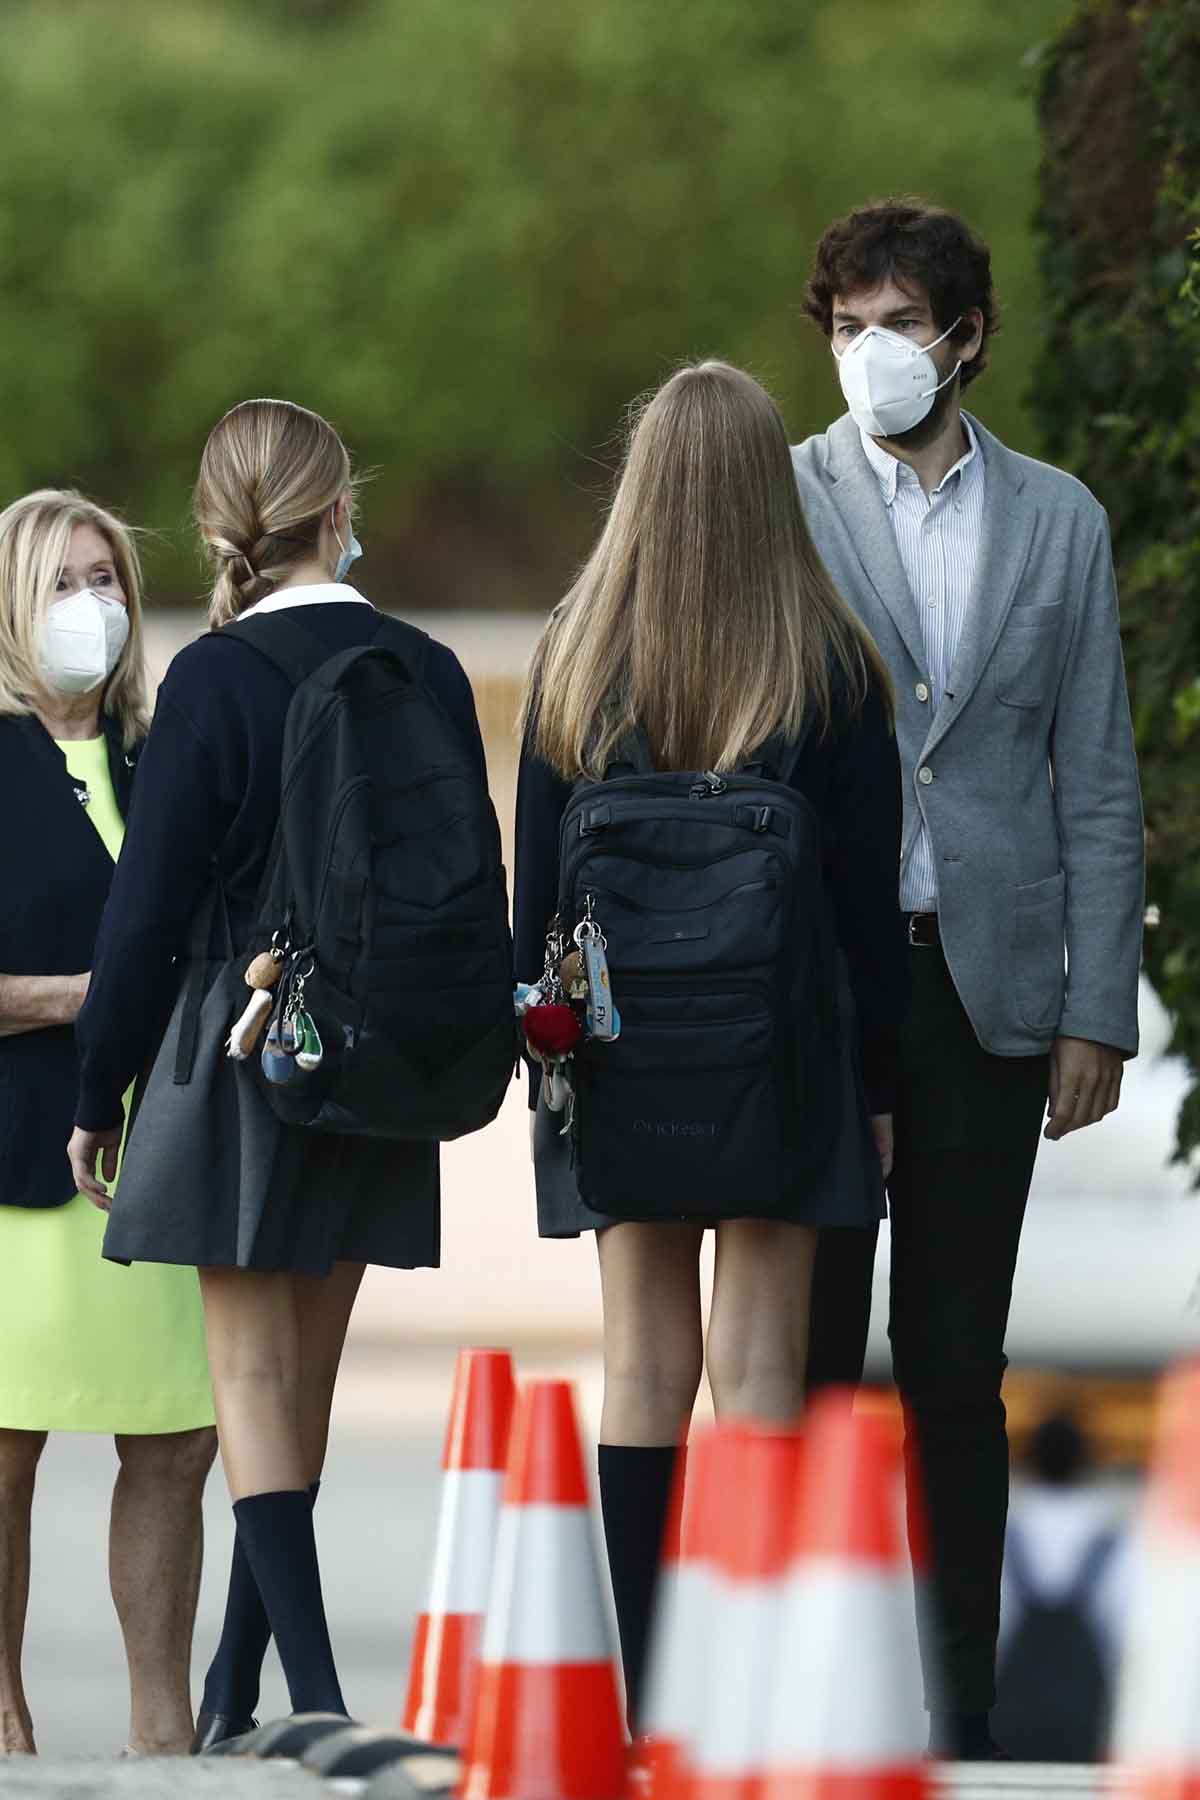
(721, 1093)
(386, 885)
(1054, 1697)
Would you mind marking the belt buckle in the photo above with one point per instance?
(915, 942)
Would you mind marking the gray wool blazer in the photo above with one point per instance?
(1025, 775)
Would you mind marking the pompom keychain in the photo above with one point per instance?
(552, 1030)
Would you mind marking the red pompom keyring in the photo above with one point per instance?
(552, 1030)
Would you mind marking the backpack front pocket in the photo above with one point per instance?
(679, 1118)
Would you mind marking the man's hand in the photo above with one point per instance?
(1085, 1085)
(881, 1131)
(83, 1151)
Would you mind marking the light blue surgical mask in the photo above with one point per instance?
(350, 551)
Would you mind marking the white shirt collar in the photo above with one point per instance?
(891, 471)
(316, 593)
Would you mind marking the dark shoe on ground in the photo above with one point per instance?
(216, 1728)
(963, 1737)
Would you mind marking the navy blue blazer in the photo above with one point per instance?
(53, 885)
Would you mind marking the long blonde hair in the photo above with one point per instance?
(35, 533)
(269, 473)
(704, 614)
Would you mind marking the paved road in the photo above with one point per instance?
(376, 1521)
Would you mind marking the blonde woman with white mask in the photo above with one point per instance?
(72, 720)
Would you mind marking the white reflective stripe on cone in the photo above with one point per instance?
(737, 1682)
(678, 1651)
(1158, 1700)
(466, 1541)
(847, 1687)
(545, 1604)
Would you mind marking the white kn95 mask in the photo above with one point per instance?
(81, 640)
(889, 382)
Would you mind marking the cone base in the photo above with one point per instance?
(443, 1678)
(1162, 1785)
(546, 1732)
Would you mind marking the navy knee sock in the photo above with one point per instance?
(231, 1686)
(232, 1683)
(635, 1494)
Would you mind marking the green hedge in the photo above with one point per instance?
(1117, 397)
(468, 230)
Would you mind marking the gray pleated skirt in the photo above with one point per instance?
(849, 1190)
(212, 1179)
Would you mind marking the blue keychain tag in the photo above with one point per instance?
(603, 1019)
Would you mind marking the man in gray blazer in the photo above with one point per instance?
(986, 579)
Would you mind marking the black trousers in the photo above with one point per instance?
(967, 1128)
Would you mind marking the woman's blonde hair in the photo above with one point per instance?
(269, 473)
(35, 533)
(704, 615)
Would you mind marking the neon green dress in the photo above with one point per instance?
(86, 1345)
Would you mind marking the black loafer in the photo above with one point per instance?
(216, 1728)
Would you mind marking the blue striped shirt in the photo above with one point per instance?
(938, 536)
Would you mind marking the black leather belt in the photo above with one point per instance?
(923, 933)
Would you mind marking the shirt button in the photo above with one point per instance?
(922, 692)
(925, 776)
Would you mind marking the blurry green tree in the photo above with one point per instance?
(1117, 400)
(468, 233)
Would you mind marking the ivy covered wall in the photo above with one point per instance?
(1117, 397)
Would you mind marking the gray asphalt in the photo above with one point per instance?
(376, 1522)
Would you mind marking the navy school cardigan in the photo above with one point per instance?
(207, 798)
(55, 881)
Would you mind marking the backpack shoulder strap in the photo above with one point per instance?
(1096, 1559)
(408, 643)
(631, 756)
(279, 636)
(1017, 1566)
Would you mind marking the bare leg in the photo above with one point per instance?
(255, 1324)
(653, 1349)
(653, 1356)
(19, 1453)
(156, 1545)
(758, 1329)
(323, 1310)
(254, 1356)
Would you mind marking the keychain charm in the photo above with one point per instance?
(603, 1019)
(310, 1052)
(277, 1065)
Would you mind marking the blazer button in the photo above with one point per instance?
(925, 776)
(922, 692)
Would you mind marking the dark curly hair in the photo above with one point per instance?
(918, 246)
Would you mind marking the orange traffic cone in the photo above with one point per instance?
(1157, 1725)
(756, 1504)
(845, 1716)
(682, 1621)
(547, 1722)
(445, 1656)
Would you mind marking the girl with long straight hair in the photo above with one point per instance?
(705, 624)
(279, 1221)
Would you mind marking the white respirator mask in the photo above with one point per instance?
(890, 383)
(81, 641)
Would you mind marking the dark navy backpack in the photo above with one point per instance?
(720, 1094)
(1054, 1697)
(386, 881)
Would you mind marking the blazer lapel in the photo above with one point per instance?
(1008, 525)
(855, 490)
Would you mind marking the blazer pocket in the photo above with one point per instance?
(1025, 659)
(1039, 951)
